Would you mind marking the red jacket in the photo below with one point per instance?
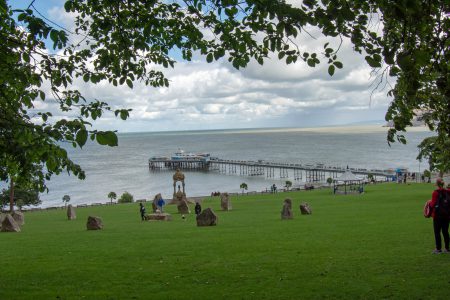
(434, 200)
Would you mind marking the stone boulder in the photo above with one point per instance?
(155, 202)
(71, 215)
(94, 223)
(207, 218)
(18, 217)
(286, 212)
(183, 207)
(10, 225)
(2, 217)
(305, 209)
(225, 203)
(158, 217)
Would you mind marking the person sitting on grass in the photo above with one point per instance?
(440, 213)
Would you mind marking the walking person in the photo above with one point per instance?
(142, 211)
(198, 208)
(441, 216)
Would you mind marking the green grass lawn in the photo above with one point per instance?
(371, 246)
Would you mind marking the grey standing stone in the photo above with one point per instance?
(225, 203)
(305, 209)
(183, 207)
(207, 218)
(10, 225)
(71, 214)
(18, 217)
(155, 202)
(286, 212)
(94, 223)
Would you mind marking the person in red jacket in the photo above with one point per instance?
(440, 221)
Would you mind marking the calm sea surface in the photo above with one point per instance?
(125, 168)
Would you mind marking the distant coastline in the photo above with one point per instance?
(345, 129)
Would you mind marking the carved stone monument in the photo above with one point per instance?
(180, 194)
(305, 209)
(179, 197)
(286, 212)
(225, 203)
(71, 215)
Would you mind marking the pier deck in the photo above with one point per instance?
(309, 172)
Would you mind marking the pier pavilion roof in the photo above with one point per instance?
(347, 176)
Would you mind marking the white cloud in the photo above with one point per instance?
(209, 96)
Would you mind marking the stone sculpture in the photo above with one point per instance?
(225, 203)
(305, 209)
(94, 223)
(178, 177)
(207, 218)
(183, 207)
(155, 202)
(18, 217)
(286, 212)
(10, 225)
(71, 215)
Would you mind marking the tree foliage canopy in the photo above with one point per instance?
(121, 42)
(23, 196)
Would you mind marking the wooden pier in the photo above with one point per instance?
(299, 172)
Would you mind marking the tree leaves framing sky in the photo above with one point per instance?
(215, 95)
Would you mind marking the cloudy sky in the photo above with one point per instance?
(217, 96)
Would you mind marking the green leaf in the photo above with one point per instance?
(81, 137)
(21, 17)
(404, 61)
(124, 114)
(373, 63)
(338, 64)
(86, 77)
(54, 35)
(107, 138)
(331, 70)
(129, 83)
(281, 54)
(209, 58)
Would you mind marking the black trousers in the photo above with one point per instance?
(441, 224)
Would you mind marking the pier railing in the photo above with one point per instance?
(303, 172)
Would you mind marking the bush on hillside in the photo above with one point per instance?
(126, 198)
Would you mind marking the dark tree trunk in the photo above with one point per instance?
(11, 195)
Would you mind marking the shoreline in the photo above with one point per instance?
(344, 129)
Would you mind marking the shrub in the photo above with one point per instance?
(126, 198)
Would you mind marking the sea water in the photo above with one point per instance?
(125, 168)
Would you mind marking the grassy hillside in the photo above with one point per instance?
(372, 246)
